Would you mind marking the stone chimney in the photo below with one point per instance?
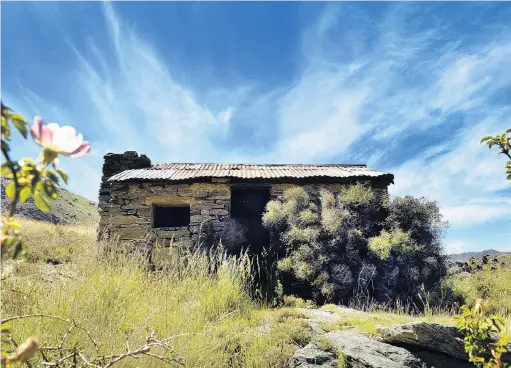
(115, 163)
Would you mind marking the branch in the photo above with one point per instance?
(33, 315)
(145, 350)
(15, 200)
(76, 325)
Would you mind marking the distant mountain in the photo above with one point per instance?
(68, 208)
(463, 257)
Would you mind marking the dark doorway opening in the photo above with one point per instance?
(247, 207)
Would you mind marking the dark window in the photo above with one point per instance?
(171, 216)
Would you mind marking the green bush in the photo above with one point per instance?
(490, 283)
(343, 244)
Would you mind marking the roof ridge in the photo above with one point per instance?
(253, 164)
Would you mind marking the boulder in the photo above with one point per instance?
(437, 360)
(361, 351)
(426, 336)
(310, 356)
(432, 337)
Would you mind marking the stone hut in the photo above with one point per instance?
(174, 202)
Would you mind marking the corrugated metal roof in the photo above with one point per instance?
(245, 171)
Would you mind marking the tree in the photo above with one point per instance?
(502, 141)
(410, 249)
(338, 246)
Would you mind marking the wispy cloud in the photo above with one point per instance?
(383, 88)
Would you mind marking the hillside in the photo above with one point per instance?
(68, 208)
(463, 257)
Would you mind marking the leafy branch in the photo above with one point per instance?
(502, 141)
(485, 339)
(37, 178)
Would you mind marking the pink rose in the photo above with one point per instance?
(62, 140)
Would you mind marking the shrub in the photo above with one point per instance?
(339, 245)
(411, 248)
(485, 338)
(319, 246)
(233, 236)
(295, 302)
(490, 283)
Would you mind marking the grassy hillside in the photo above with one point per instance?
(464, 257)
(68, 208)
(201, 305)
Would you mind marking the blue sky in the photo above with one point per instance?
(407, 88)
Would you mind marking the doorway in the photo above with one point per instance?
(247, 207)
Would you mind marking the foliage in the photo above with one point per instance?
(412, 248)
(485, 338)
(389, 242)
(233, 236)
(31, 178)
(318, 244)
(339, 245)
(503, 142)
(295, 302)
(485, 279)
(199, 302)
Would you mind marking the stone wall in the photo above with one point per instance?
(113, 164)
(126, 209)
(130, 211)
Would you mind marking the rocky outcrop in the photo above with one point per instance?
(426, 336)
(310, 357)
(431, 337)
(416, 344)
(360, 351)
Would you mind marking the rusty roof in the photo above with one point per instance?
(184, 171)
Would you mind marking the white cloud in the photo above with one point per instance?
(454, 247)
(132, 101)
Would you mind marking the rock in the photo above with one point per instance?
(431, 337)
(426, 336)
(310, 356)
(363, 352)
(437, 360)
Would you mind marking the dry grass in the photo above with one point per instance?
(218, 324)
(492, 285)
(368, 321)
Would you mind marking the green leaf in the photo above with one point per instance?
(484, 139)
(54, 178)
(5, 146)
(10, 190)
(5, 169)
(6, 129)
(41, 201)
(50, 189)
(25, 194)
(20, 123)
(63, 175)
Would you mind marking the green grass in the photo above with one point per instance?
(212, 315)
(492, 285)
(367, 322)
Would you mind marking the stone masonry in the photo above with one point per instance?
(126, 208)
